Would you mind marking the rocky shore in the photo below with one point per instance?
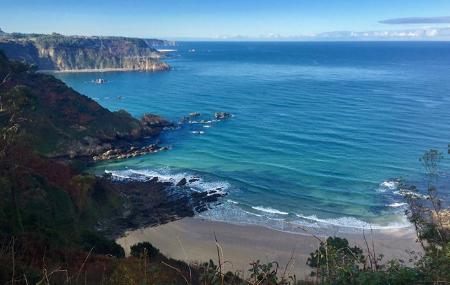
(153, 202)
(133, 151)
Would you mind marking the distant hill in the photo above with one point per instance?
(68, 53)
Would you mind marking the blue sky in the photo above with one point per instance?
(175, 19)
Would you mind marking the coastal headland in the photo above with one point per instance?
(55, 52)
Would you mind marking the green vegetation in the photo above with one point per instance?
(49, 210)
(73, 124)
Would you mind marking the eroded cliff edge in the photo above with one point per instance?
(80, 53)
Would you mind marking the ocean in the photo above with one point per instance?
(321, 132)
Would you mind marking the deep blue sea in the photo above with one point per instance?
(320, 131)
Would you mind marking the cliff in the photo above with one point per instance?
(74, 125)
(71, 53)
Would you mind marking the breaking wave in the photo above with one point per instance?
(233, 211)
(193, 181)
(269, 210)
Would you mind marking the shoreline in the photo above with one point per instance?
(102, 70)
(193, 240)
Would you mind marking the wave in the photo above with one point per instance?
(388, 185)
(397, 205)
(193, 181)
(269, 210)
(232, 213)
(351, 222)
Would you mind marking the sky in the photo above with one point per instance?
(216, 19)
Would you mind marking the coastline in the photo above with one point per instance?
(192, 239)
(164, 68)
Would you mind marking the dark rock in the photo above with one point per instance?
(194, 114)
(151, 203)
(222, 115)
(127, 153)
(182, 182)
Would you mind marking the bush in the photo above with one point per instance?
(143, 248)
(101, 245)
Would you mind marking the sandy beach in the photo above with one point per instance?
(192, 239)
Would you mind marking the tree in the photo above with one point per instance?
(431, 217)
(336, 260)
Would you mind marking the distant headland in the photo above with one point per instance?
(58, 52)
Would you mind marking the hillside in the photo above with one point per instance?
(68, 53)
(50, 211)
(73, 124)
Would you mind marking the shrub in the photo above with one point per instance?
(143, 248)
(101, 245)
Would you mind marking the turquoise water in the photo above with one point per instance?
(319, 134)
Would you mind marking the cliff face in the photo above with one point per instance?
(66, 53)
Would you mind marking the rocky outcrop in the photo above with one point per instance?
(133, 151)
(153, 202)
(222, 115)
(77, 53)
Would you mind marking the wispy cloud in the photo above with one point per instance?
(417, 20)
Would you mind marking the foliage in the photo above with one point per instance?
(73, 124)
(98, 244)
(336, 263)
(335, 259)
(431, 217)
(143, 248)
(49, 210)
(264, 273)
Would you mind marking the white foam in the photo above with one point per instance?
(269, 210)
(388, 185)
(351, 222)
(230, 211)
(404, 192)
(397, 205)
(198, 184)
(254, 214)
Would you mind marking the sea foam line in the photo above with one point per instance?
(269, 210)
(194, 182)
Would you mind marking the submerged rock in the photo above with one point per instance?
(222, 115)
(194, 114)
